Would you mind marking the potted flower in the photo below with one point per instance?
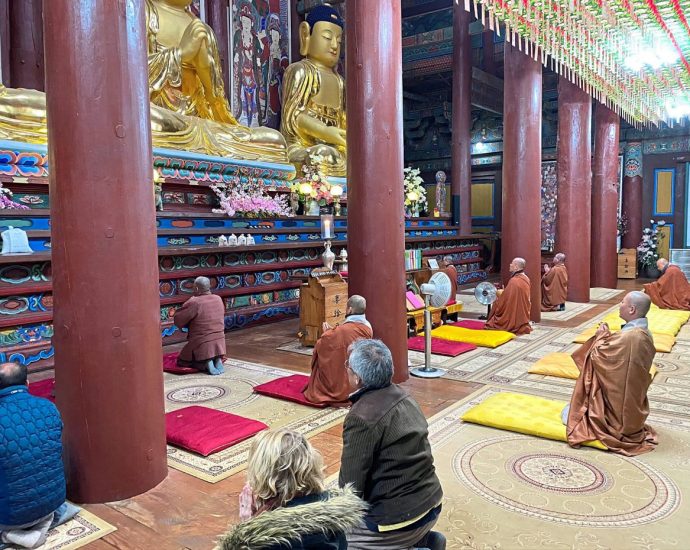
(415, 193)
(249, 200)
(312, 188)
(648, 249)
(7, 202)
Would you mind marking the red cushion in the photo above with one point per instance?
(43, 388)
(206, 431)
(450, 302)
(289, 388)
(170, 365)
(440, 346)
(470, 323)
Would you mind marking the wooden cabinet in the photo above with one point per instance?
(627, 263)
(323, 298)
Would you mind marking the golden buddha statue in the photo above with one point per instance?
(189, 109)
(313, 119)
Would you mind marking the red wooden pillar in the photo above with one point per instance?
(295, 20)
(632, 194)
(461, 181)
(376, 234)
(5, 42)
(105, 275)
(521, 224)
(604, 263)
(574, 172)
(26, 44)
(217, 15)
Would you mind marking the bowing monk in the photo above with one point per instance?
(609, 402)
(554, 285)
(450, 270)
(672, 290)
(510, 311)
(329, 382)
(203, 315)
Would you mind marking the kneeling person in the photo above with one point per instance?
(609, 402)
(329, 382)
(203, 315)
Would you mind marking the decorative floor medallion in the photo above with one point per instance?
(578, 487)
(196, 394)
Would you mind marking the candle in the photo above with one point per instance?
(327, 226)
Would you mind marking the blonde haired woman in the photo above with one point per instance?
(285, 505)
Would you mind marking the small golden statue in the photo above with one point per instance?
(189, 108)
(313, 119)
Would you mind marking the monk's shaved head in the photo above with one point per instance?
(202, 284)
(635, 305)
(559, 258)
(357, 304)
(520, 263)
(661, 264)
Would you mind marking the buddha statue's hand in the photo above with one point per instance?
(334, 136)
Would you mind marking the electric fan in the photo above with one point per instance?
(436, 293)
(486, 294)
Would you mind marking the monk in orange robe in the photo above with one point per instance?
(450, 270)
(609, 402)
(510, 311)
(203, 315)
(329, 382)
(672, 290)
(554, 285)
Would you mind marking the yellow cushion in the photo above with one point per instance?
(678, 313)
(525, 414)
(662, 342)
(483, 338)
(660, 321)
(562, 365)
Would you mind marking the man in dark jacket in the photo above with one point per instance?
(32, 479)
(386, 455)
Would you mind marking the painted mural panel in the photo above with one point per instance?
(259, 51)
(549, 194)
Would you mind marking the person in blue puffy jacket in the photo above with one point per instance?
(32, 478)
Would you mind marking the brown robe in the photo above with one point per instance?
(510, 311)
(554, 288)
(453, 276)
(671, 290)
(329, 382)
(609, 402)
(204, 317)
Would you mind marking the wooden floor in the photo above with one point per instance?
(186, 512)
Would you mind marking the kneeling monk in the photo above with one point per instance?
(609, 402)
(203, 315)
(329, 382)
(554, 285)
(672, 290)
(510, 311)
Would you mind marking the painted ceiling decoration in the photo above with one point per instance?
(632, 55)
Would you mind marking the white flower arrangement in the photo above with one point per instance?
(415, 193)
(648, 249)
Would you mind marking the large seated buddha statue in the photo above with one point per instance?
(189, 108)
(313, 119)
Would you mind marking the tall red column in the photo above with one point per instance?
(26, 44)
(217, 14)
(376, 224)
(107, 339)
(632, 194)
(521, 223)
(5, 42)
(574, 172)
(604, 263)
(461, 181)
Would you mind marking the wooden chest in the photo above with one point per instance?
(322, 298)
(627, 263)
